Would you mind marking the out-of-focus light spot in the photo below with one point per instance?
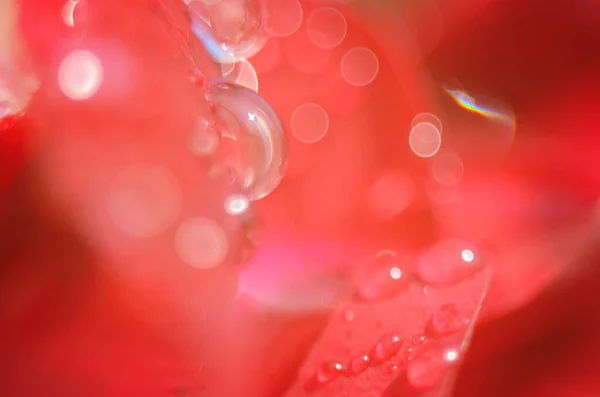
(242, 73)
(447, 168)
(309, 123)
(284, 17)
(451, 355)
(395, 273)
(427, 118)
(236, 204)
(326, 27)
(441, 194)
(201, 243)
(390, 195)
(204, 139)
(80, 75)
(144, 200)
(467, 255)
(360, 66)
(425, 140)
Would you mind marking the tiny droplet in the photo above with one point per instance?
(446, 320)
(328, 371)
(387, 346)
(359, 364)
(383, 278)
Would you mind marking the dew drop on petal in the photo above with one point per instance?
(241, 73)
(449, 262)
(427, 369)
(386, 347)
(447, 320)
(230, 30)
(329, 371)
(358, 364)
(383, 278)
(256, 136)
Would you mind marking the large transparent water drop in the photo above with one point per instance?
(231, 30)
(254, 140)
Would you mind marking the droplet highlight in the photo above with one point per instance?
(383, 278)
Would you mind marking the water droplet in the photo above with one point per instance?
(241, 73)
(449, 262)
(383, 279)
(231, 30)
(387, 346)
(359, 364)
(446, 320)
(328, 371)
(427, 369)
(254, 132)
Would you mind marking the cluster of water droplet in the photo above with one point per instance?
(428, 356)
(231, 31)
